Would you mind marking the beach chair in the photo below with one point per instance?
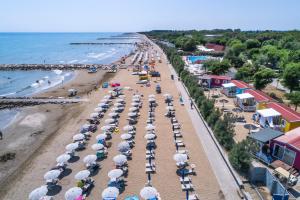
(193, 196)
(187, 186)
(185, 180)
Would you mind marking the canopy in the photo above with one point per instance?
(148, 193)
(81, 175)
(180, 157)
(78, 137)
(265, 135)
(128, 128)
(89, 159)
(126, 136)
(53, 174)
(269, 112)
(120, 159)
(73, 193)
(228, 85)
(72, 146)
(38, 193)
(101, 137)
(97, 147)
(63, 158)
(244, 96)
(115, 173)
(123, 146)
(110, 192)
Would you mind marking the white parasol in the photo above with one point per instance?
(110, 193)
(150, 127)
(63, 158)
(149, 136)
(73, 193)
(128, 128)
(148, 193)
(101, 137)
(133, 109)
(82, 175)
(126, 136)
(109, 121)
(38, 193)
(89, 159)
(180, 157)
(53, 174)
(123, 146)
(115, 173)
(78, 137)
(120, 159)
(72, 146)
(97, 147)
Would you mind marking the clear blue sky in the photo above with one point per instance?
(140, 15)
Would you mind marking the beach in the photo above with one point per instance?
(69, 119)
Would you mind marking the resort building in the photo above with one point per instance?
(213, 81)
(234, 87)
(268, 118)
(241, 86)
(287, 148)
(261, 142)
(290, 118)
(246, 102)
(260, 98)
(215, 47)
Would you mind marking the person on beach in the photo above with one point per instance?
(191, 102)
(1, 135)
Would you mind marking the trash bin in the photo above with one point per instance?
(172, 76)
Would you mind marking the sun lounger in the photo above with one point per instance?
(150, 169)
(148, 164)
(186, 187)
(180, 144)
(182, 151)
(186, 179)
(150, 157)
(193, 197)
(150, 152)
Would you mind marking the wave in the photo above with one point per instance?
(95, 55)
(72, 61)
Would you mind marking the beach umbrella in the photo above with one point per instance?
(110, 193)
(73, 193)
(151, 96)
(82, 175)
(180, 157)
(136, 100)
(72, 146)
(120, 159)
(151, 100)
(38, 193)
(52, 174)
(126, 136)
(127, 88)
(115, 173)
(113, 114)
(106, 97)
(105, 128)
(170, 108)
(115, 109)
(132, 114)
(133, 109)
(94, 115)
(109, 121)
(137, 96)
(123, 146)
(150, 127)
(223, 101)
(78, 137)
(89, 159)
(85, 126)
(250, 127)
(99, 109)
(148, 193)
(149, 136)
(102, 104)
(97, 147)
(128, 128)
(63, 158)
(118, 104)
(135, 104)
(119, 100)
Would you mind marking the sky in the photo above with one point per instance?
(145, 15)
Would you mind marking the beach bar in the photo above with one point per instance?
(290, 118)
(229, 89)
(268, 118)
(246, 102)
(213, 81)
(261, 98)
(287, 148)
(241, 86)
(262, 141)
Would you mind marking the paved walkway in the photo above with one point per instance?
(224, 177)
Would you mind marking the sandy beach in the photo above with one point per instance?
(69, 119)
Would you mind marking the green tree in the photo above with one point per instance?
(291, 76)
(206, 108)
(240, 157)
(213, 117)
(217, 67)
(245, 73)
(263, 77)
(252, 43)
(294, 98)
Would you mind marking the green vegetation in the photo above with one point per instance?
(258, 56)
(294, 98)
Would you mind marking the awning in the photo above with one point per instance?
(244, 96)
(269, 112)
(265, 135)
(228, 85)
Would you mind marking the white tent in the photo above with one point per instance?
(228, 85)
(244, 96)
(269, 112)
(268, 117)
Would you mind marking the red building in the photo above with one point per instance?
(215, 47)
(212, 81)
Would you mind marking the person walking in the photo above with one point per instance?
(191, 103)
(1, 135)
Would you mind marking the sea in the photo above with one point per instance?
(53, 48)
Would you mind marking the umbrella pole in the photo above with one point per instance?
(187, 194)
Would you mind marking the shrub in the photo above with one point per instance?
(240, 157)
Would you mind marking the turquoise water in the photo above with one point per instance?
(53, 48)
(194, 59)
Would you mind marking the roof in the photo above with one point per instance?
(240, 84)
(286, 112)
(215, 47)
(259, 96)
(219, 77)
(228, 85)
(269, 112)
(291, 138)
(244, 96)
(265, 135)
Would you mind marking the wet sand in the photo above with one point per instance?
(165, 179)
